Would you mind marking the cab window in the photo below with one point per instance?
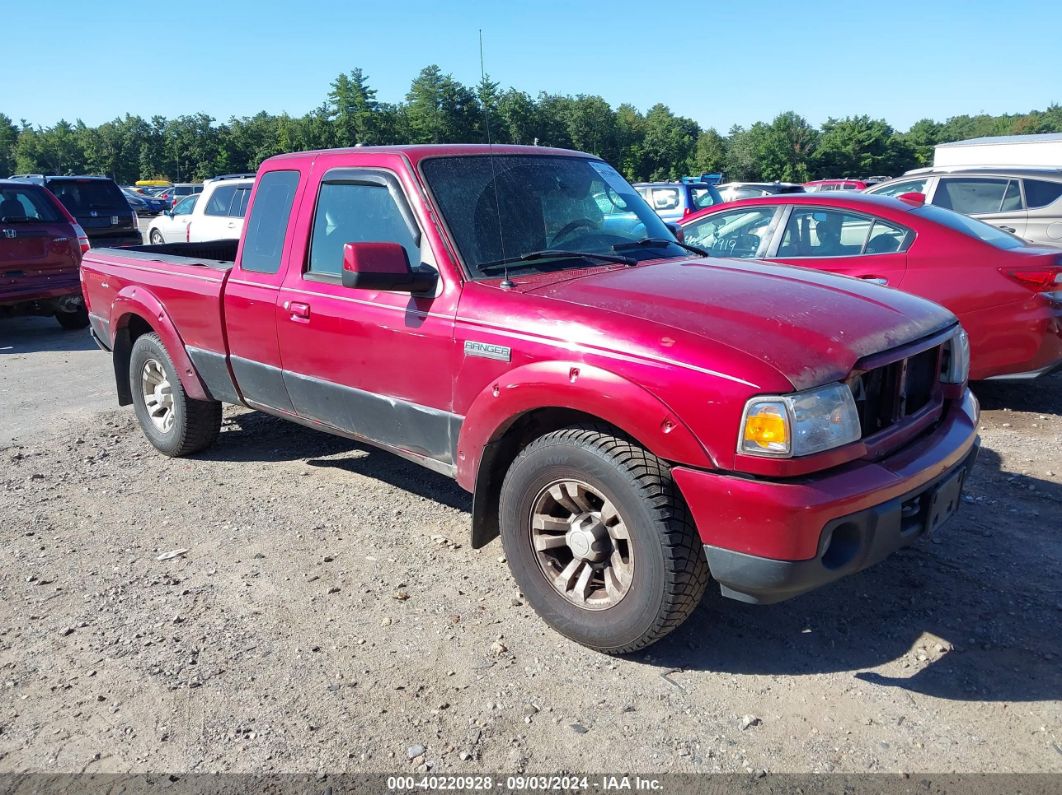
(355, 213)
(263, 244)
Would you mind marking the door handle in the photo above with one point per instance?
(297, 310)
(1010, 229)
(875, 279)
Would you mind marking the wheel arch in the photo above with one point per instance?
(537, 399)
(136, 312)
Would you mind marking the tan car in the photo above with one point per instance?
(1026, 202)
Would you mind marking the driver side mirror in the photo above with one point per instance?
(383, 266)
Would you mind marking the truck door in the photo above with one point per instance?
(374, 365)
(252, 291)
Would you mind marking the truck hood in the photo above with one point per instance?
(810, 326)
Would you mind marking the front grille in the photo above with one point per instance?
(886, 395)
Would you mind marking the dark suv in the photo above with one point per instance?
(97, 204)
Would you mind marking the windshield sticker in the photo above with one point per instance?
(611, 176)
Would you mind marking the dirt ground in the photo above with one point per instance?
(329, 615)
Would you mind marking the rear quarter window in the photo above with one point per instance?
(267, 226)
(1040, 193)
(220, 200)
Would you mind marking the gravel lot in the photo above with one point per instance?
(329, 615)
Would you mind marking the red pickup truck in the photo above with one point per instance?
(632, 417)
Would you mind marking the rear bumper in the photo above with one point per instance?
(767, 540)
(42, 302)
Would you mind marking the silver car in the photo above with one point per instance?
(1026, 202)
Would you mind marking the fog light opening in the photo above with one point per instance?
(843, 545)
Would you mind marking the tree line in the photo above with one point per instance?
(657, 144)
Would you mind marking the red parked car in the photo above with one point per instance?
(40, 250)
(821, 185)
(630, 418)
(1006, 293)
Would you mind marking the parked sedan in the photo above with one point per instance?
(1007, 293)
(172, 225)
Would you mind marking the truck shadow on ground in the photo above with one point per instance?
(986, 589)
(1043, 395)
(22, 335)
(254, 436)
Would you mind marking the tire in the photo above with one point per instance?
(658, 573)
(181, 425)
(72, 321)
(155, 237)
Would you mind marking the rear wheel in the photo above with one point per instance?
(155, 237)
(173, 422)
(73, 320)
(599, 540)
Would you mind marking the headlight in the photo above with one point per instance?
(956, 366)
(800, 424)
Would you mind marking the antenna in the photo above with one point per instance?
(506, 284)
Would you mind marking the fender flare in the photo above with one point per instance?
(580, 387)
(137, 301)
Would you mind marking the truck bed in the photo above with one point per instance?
(185, 280)
(210, 254)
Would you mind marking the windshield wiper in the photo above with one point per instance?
(554, 253)
(659, 241)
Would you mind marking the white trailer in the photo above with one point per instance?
(1043, 150)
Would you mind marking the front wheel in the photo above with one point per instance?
(599, 540)
(155, 237)
(174, 423)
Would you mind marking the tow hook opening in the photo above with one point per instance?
(842, 547)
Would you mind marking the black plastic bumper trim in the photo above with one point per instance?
(846, 545)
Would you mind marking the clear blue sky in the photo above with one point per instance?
(721, 63)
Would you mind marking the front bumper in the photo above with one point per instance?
(769, 540)
(846, 545)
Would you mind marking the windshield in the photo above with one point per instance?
(970, 226)
(705, 197)
(505, 206)
(81, 196)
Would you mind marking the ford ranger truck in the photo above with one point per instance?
(633, 418)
